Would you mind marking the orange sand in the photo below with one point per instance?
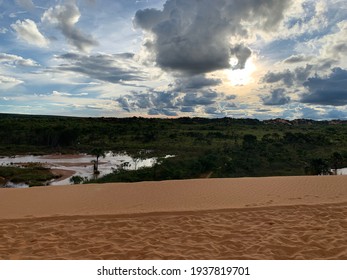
(250, 218)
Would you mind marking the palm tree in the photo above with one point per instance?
(98, 152)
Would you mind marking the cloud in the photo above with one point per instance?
(337, 114)
(8, 82)
(187, 109)
(286, 77)
(277, 97)
(3, 30)
(209, 26)
(230, 97)
(148, 18)
(296, 59)
(195, 83)
(155, 103)
(118, 69)
(289, 77)
(330, 90)
(14, 60)
(304, 18)
(66, 94)
(16, 14)
(310, 113)
(27, 31)
(26, 4)
(334, 45)
(216, 112)
(171, 103)
(242, 53)
(64, 18)
(196, 99)
(302, 73)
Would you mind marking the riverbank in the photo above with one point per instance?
(249, 218)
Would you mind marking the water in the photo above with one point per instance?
(342, 171)
(17, 186)
(80, 164)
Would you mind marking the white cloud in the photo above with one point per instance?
(335, 45)
(330, 50)
(14, 60)
(303, 17)
(7, 82)
(57, 93)
(27, 31)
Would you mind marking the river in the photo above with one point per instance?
(78, 165)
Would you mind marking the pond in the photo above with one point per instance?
(77, 165)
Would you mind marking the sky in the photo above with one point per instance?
(259, 59)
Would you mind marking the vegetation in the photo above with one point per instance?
(77, 180)
(202, 147)
(32, 175)
(97, 152)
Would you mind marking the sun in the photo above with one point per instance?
(240, 77)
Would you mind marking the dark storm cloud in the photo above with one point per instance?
(165, 112)
(155, 102)
(213, 111)
(289, 78)
(170, 103)
(147, 18)
(153, 112)
(331, 90)
(286, 77)
(195, 99)
(195, 36)
(110, 68)
(195, 83)
(187, 109)
(302, 73)
(242, 53)
(277, 97)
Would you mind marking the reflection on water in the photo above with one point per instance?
(81, 164)
(342, 171)
(17, 186)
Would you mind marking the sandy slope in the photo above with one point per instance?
(264, 218)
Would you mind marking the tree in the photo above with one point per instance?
(249, 142)
(97, 152)
(336, 160)
(77, 180)
(319, 166)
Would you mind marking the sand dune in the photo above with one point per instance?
(263, 218)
